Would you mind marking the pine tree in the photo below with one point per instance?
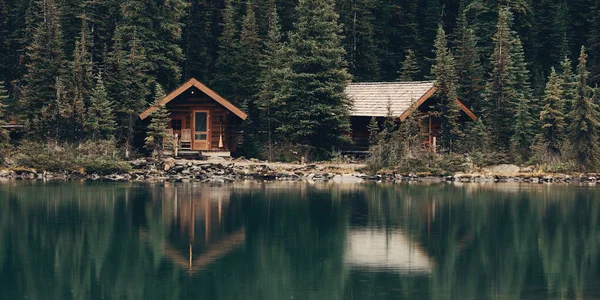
(82, 66)
(468, 65)
(446, 84)
(373, 130)
(100, 119)
(248, 86)
(410, 67)
(45, 62)
(249, 60)
(593, 39)
(317, 108)
(4, 135)
(552, 117)
(357, 20)
(499, 93)
(274, 73)
(199, 43)
(166, 59)
(568, 87)
(583, 130)
(99, 19)
(128, 81)
(524, 121)
(227, 74)
(80, 85)
(157, 129)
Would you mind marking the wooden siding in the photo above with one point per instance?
(222, 121)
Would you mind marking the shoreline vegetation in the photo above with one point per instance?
(100, 161)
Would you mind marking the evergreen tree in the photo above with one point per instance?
(249, 60)
(156, 28)
(4, 135)
(274, 73)
(129, 82)
(593, 40)
(373, 130)
(499, 93)
(468, 65)
(45, 62)
(100, 120)
(446, 84)
(583, 130)
(568, 87)
(166, 59)
(410, 67)
(82, 66)
(199, 43)
(99, 18)
(317, 108)
(157, 129)
(357, 21)
(524, 121)
(227, 74)
(80, 85)
(552, 117)
(248, 86)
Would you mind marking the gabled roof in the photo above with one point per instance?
(371, 99)
(195, 83)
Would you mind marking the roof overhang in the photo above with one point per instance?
(428, 95)
(195, 83)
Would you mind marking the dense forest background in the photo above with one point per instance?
(79, 69)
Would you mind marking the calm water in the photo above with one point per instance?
(298, 241)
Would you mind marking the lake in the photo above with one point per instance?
(298, 241)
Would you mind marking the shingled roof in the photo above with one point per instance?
(372, 98)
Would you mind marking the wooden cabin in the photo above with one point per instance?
(375, 99)
(202, 121)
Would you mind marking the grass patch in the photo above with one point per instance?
(100, 157)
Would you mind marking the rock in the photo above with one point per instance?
(168, 163)
(346, 179)
(503, 170)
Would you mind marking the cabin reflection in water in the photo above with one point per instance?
(378, 249)
(204, 225)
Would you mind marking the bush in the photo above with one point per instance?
(105, 167)
(421, 162)
(91, 157)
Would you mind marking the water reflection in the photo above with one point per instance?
(271, 241)
(378, 250)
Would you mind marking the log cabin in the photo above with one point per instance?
(372, 99)
(202, 122)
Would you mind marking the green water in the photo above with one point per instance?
(298, 241)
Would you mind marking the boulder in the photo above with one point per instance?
(346, 179)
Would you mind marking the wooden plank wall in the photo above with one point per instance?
(222, 121)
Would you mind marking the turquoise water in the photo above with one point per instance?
(298, 241)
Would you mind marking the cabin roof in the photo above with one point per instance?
(199, 85)
(371, 99)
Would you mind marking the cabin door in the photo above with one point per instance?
(201, 135)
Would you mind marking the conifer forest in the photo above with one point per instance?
(80, 71)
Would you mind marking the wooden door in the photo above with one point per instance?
(201, 130)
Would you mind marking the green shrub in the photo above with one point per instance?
(100, 157)
(105, 167)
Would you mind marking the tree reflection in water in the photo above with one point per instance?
(278, 241)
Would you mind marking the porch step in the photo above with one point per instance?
(216, 153)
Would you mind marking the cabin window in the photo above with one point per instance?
(176, 124)
(201, 118)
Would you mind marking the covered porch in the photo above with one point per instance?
(202, 122)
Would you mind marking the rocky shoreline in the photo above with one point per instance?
(243, 170)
